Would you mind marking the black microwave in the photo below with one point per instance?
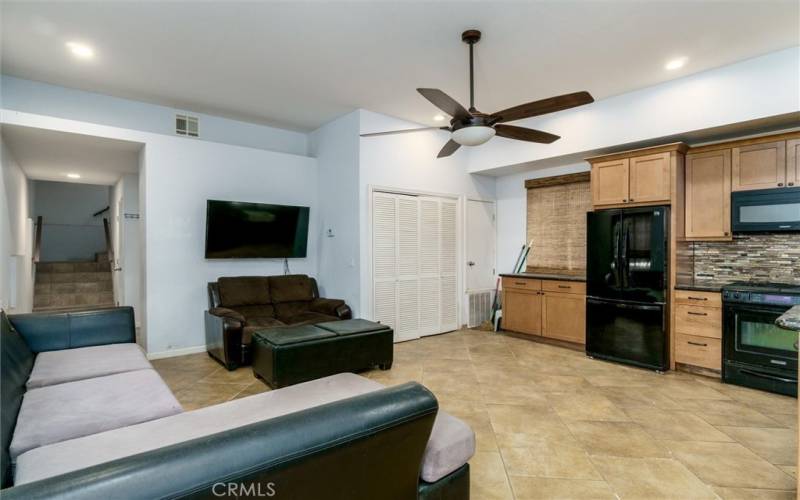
(765, 210)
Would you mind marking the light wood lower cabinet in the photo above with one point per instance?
(698, 329)
(546, 308)
(522, 311)
(564, 317)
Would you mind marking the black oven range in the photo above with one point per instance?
(755, 352)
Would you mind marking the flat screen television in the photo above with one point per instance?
(239, 230)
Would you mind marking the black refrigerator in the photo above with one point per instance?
(626, 286)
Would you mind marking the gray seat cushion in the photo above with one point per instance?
(351, 326)
(57, 367)
(74, 409)
(288, 335)
(76, 454)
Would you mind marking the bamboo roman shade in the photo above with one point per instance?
(556, 218)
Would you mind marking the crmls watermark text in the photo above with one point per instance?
(266, 490)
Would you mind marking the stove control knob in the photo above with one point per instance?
(735, 295)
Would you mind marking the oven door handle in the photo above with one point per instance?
(768, 376)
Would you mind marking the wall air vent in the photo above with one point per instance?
(187, 126)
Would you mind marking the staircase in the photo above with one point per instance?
(73, 286)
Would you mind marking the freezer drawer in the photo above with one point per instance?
(627, 332)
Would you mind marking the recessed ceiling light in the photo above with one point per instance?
(73, 175)
(676, 63)
(80, 50)
(438, 118)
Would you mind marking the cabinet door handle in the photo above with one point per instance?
(725, 233)
(698, 298)
(564, 286)
(780, 184)
(791, 183)
(631, 199)
(700, 344)
(521, 284)
(697, 313)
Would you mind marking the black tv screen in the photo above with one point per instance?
(238, 230)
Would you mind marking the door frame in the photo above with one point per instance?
(460, 241)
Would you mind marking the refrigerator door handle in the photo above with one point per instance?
(624, 255)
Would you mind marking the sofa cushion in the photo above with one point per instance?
(291, 288)
(75, 454)
(74, 409)
(287, 310)
(16, 362)
(56, 367)
(309, 318)
(259, 311)
(243, 291)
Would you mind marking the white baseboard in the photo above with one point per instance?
(176, 352)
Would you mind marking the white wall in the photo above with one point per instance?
(752, 89)
(177, 176)
(51, 100)
(408, 162)
(70, 232)
(16, 270)
(336, 147)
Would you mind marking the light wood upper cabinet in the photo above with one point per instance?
(759, 166)
(708, 195)
(793, 162)
(610, 182)
(522, 311)
(564, 317)
(650, 178)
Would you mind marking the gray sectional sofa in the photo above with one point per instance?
(84, 415)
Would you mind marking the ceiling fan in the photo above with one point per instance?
(472, 128)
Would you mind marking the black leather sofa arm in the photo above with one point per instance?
(366, 447)
(224, 337)
(331, 307)
(57, 331)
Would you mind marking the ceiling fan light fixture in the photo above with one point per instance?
(473, 136)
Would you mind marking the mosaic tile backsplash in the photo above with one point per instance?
(749, 257)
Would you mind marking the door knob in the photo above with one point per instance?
(470, 263)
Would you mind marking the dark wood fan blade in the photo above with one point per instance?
(445, 103)
(448, 149)
(542, 107)
(404, 131)
(525, 134)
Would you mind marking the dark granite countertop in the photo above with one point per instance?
(545, 276)
(790, 320)
(699, 287)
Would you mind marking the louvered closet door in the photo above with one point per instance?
(448, 271)
(429, 265)
(414, 264)
(384, 250)
(408, 299)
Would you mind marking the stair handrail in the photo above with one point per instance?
(109, 247)
(101, 211)
(37, 241)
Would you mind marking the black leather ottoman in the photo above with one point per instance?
(292, 354)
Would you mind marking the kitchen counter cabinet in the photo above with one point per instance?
(545, 308)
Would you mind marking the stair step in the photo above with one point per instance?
(88, 307)
(74, 277)
(73, 267)
(41, 288)
(72, 299)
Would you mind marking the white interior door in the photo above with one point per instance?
(481, 246)
(415, 267)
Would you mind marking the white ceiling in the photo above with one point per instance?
(49, 155)
(301, 64)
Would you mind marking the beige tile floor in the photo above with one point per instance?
(551, 423)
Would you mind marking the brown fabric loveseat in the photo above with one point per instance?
(240, 306)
